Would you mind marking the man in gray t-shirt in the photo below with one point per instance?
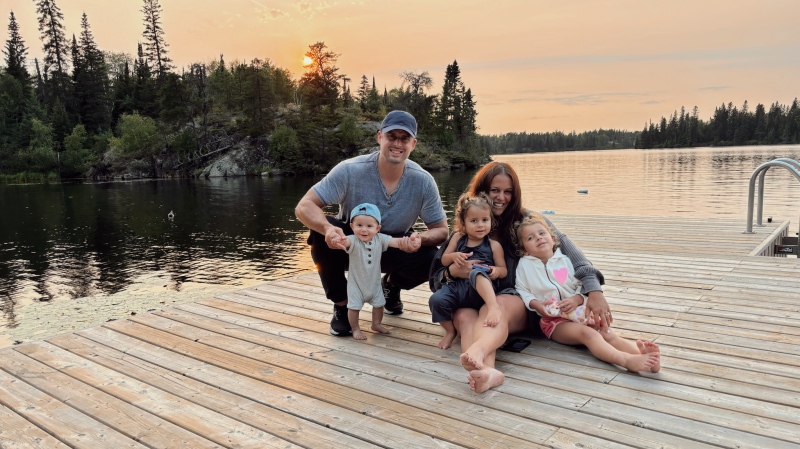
(401, 189)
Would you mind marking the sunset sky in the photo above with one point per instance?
(532, 65)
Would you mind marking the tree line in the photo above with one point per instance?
(82, 111)
(600, 139)
(728, 125)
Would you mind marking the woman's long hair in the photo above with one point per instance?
(481, 183)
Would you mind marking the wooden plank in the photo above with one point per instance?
(18, 433)
(269, 409)
(68, 425)
(721, 436)
(185, 417)
(123, 417)
(506, 388)
(334, 401)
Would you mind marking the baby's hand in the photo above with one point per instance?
(493, 274)
(493, 317)
(337, 242)
(570, 304)
(460, 259)
(414, 243)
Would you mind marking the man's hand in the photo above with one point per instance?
(410, 244)
(335, 237)
(597, 308)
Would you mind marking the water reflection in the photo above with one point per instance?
(74, 240)
(706, 182)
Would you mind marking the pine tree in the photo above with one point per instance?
(154, 44)
(448, 114)
(122, 89)
(90, 75)
(363, 92)
(52, 35)
(16, 53)
(320, 82)
(144, 89)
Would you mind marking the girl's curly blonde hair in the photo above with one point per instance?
(531, 219)
(465, 202)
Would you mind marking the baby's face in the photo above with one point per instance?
(537, 241)
(365, 227)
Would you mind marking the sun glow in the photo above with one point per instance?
(307, 61)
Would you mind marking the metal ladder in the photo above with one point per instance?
(788, 245)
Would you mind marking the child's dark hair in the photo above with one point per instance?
(531, 219)
(466, 201)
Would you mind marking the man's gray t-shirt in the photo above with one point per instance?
(355, 181)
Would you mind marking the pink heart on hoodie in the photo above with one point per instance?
(561, 275)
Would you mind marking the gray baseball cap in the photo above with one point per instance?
(400, 120)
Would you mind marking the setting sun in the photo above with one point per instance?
(307, 61)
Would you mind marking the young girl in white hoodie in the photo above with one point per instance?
(546, 276)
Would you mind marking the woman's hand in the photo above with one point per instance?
(597, 308)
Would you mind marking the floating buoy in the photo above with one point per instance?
(171, 215)
(583, 191)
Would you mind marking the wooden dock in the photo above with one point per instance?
(257, 368)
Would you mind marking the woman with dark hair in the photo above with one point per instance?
(500, 182)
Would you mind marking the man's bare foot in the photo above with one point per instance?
(648, 347)
(358, 335)
(481, 380)
(447, 340)
(381, 328)
(471, 363)
(640, 362)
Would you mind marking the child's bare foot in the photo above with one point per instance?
(381, 328)
(648, 347)
(471, 363)
(640, 362)
(447, 340)
(358, 335)
(481, 380)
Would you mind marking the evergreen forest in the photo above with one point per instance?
(728, 125)
(84, 112)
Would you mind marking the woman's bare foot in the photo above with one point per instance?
(648, 347)
(381, 328)
(471, 363)
(447, 340)
(358, 335)
(640, 362)
(481, 380)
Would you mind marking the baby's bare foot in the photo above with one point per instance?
(484, 379)
(381, 328)
(447, 340)
(358, 335)
(471, 363)
(640, 362)
(649, 347)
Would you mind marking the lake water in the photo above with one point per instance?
(66, 241)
